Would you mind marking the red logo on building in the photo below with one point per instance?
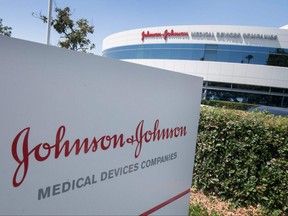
(165, 35)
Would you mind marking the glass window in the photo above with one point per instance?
(236, 57)
(279, 90)
(203, 52)
(250, 87)
(219, 84)
(210, 55)
(278, 57)
(198, 55)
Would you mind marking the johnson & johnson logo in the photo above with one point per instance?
(24, 154)
(165, 35)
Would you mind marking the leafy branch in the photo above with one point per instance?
(73, 34)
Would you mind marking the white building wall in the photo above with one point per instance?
(224, 72)
(133, 37)
(212, 71)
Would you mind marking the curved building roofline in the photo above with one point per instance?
(221, 34)
(284, 27)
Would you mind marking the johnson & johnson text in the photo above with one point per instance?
(22, 151)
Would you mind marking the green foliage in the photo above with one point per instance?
(198, 210)
(74, 34)
(227, 104)
(243, 157)
(5, 30)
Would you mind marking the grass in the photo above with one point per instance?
(207, 205)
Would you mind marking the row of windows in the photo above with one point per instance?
(272, 90)
(249, 93)
(202, 52)
(252, 98)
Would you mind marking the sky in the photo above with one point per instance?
(112, 16)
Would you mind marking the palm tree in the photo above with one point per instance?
(249, 57)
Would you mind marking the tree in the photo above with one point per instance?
(5, 30)
(249, 57)
(73, 34)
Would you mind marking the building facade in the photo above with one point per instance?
(238, 63)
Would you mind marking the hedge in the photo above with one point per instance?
(243, 158)
(227, 104)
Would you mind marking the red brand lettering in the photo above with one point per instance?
(165, 35)
(64, 147)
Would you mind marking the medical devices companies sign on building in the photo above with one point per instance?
(85, 135)
(238, 63)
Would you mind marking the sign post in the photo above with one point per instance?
(86, 135)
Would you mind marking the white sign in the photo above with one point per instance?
(85, 135)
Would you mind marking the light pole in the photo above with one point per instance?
(49, 22)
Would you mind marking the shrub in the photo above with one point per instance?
(243, 157)
(199, 210)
